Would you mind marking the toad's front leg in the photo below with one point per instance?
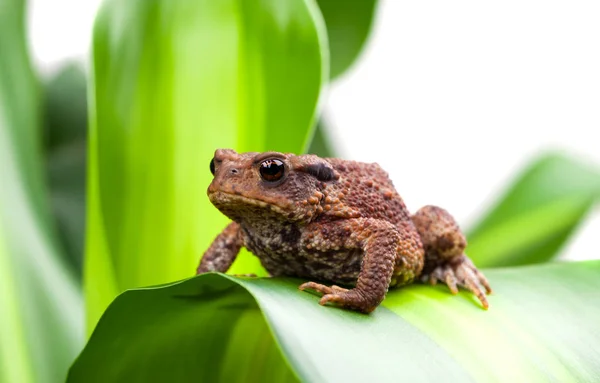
(223, 251)
(386, 250)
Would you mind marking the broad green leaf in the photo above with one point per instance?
(65, 120)
(173, 80)
(537, 214)
(542, 326)
(41, 309)
(348, 26)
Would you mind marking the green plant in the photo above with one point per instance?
(171, 81)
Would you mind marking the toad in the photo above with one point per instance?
(333, 221)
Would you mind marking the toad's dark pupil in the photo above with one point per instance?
(212, 166)
(271, 170)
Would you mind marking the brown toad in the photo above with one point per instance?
(333, 220)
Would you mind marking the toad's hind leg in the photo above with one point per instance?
(390, 256)
(445, 259)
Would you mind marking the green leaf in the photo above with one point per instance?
(537, 215)
(41, 309)
(65, 121)
(348, 26)
(541, 326)
(173, 80)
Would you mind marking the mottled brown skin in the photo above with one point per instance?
(334, 221)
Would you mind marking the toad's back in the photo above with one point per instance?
(368, 190)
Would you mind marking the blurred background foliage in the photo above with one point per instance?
(40, 301)
(170, 81)
(65, 148)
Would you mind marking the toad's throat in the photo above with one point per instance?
(224, 199)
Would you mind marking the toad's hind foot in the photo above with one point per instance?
(460, 271)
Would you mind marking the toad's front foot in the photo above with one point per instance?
(352, 299)
(460, 271)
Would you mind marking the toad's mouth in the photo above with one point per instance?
(222, 199)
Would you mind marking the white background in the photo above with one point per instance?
(451, 98)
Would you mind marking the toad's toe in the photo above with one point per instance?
(461, 272)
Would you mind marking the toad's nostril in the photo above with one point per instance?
(234, 171)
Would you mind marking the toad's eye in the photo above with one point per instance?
(212, 166)
(272, 170)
